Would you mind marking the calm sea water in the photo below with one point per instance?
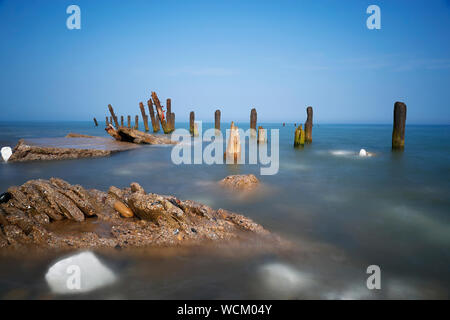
(343, 212)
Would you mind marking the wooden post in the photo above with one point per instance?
(253, 117)
(160, 113)
(111, 120)
(129, 121)
(107, 122)
(144, 116)
(155, 120)
(262, 135)
(398, 132)
(136, 122)
(113, 115)
(299, 139)
(284, 124)
(95, 122)
(233, 150)
(309, 125)
(191, 122)
(217, 119)
(170, 115)
(121, 121)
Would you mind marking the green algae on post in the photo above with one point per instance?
(299, 139)
(191, 122)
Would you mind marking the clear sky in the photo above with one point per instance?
(277, 56)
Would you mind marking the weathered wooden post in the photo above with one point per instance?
(309, 125)
(111, 120)
(195, 132)
(129, 121)
(284, 124)
(262, 135)
(95, 122)
(113, 115)
(136, 122)
(233, 150)
(121, 121)
(144, 116)
(191, 122)
(155, 120)
(299, 139)
(160, 113)
(107, 121)
(253, 116)
(398, 132)
(170, 115)
(217, 120)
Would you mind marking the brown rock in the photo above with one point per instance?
(123, 210)
(52, 214)
(240, 182)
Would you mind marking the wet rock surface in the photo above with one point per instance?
(241, 182)
(55, 214)
(73, 146)
(136, 136)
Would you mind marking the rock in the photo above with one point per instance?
(363, 153)
(136, 136)
(136, 187)
(78, 135)
(55, 214)
(240, 182)
(79, 273)
(123, 209)
(66, 148)
(284, 281)
(6, 153)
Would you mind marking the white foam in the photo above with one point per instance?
(6, 153)
(341, 153)
(79, 273)
(363, 153)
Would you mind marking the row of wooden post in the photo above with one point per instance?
(167, 123)
(300, 138)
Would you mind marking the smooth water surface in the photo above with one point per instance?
(343, 212)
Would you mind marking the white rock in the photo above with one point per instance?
(79, 273)
(284, 280)
(363, 153)
(6, 153)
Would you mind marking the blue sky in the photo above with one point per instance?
(277, 56)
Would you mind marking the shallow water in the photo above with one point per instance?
(342, 211)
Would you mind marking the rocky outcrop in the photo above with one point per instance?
(136, 136)
(53, 213)
(241, 182)
(73, 146)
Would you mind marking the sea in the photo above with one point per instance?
(342, 212)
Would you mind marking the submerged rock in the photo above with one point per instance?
(242, 182)
(6, 153)
(79, 273)
(53, 213)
